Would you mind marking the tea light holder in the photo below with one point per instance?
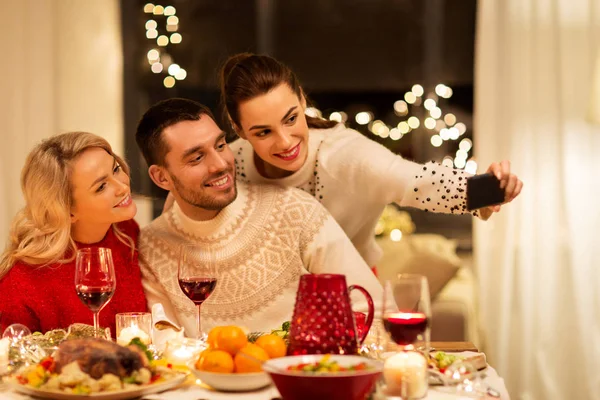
(183, 351)
(4, 347)
(405, 375)
(132, 325)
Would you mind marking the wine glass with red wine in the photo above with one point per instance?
(408, 327)
(95, 280)
(197, 275)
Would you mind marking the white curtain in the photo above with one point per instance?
(61, 70)
(539, 260)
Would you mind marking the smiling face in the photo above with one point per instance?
(100, 190)
(199, 168)
(275, 126)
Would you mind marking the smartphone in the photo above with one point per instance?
(483, 191)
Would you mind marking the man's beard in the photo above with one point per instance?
(200, 199)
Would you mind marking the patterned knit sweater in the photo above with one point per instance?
(355, 177)
(44, 298)
(262, 243)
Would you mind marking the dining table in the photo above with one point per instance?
(193, 389)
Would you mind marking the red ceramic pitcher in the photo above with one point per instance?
(323, 320)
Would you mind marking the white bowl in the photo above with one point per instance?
(233, 382)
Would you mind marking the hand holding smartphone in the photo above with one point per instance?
(483, 191)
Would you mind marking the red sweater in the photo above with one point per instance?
(44, 298)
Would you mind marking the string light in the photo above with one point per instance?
(460, 162)
(176, 38)
(436, 141)
(410, 97)
(450, 119)
(461, 154)
(417, 90)
(396, 235)
(429, 123)
(462, 128)
(445, 134)
(181, 74)
(335, 116)
(400, 108)
(363, 117)
(447, 161)
(153, 55)
(439, 125)
(414, 122)
(173, 69)
(471, 166)
(395, 134)
(169, 82)
(311, 111)
(465, 144)
(403, 127)
(435, 112)
(429, 104)
(161, 62)
(157, 68)
(162, 40)
(453, 133)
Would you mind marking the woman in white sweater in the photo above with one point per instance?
(351, 175)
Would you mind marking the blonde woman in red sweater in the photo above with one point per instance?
(77, 195)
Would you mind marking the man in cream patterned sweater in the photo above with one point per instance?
(261, 237)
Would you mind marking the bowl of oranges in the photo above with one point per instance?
(231, 363)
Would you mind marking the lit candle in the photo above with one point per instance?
(405, 375)
(127, 334)
(4, 346)
(182, 352)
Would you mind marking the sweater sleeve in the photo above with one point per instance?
(366, 166)
(327, 250)
(15, 307)
(153, 289)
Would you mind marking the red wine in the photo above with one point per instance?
(94, 298)
(404, 328)
(197, 289)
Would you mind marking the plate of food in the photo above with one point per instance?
(98, 369)
(440, 362)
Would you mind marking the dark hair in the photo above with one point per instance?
(162, 115)
(245, 76)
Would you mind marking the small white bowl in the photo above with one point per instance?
(233, 382)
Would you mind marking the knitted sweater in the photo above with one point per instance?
(262, 243)
(355, 178)
(44, 298)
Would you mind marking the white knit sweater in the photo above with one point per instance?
(262, 242)
(355, 178)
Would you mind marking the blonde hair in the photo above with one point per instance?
(40, 233)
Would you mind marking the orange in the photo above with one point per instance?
(273, 345)
(244, 364)
(216, 361)
(230, 339)
(200, 360)
(212, 336)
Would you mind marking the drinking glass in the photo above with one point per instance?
(95, 281)
(197, 275)
(407, 311)
(409, 325)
